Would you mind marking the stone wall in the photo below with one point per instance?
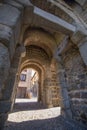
(9, 36)
(76, 77)
(55, 89)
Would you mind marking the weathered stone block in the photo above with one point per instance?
(83, 52)
(81, 76)
(65, 104)
(17, 31)
(4, 65)
(84, 95)
(74, 94)
(63, 85)
(64, 94)
(5, 34)
(79, 35)
(10, 37)
(66, 113)
(82, 84)
(8, 92)
(28, 20)
(9, 15)
(11, 46)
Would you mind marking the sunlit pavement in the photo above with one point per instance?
(28, 114)
(25, 112)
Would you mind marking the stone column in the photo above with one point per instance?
(64, 98)
(4, 72)
(39, 93)
(48, 92)
(8, 94)
(15, 90)
(9, 37)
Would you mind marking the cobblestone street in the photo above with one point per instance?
(30, 115)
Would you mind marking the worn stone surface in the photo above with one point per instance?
(10, 19)
(7, 38)
(83, 52)
(4, 66)
(9, 92)
(76, 77)
(79, 36)
(5, 34)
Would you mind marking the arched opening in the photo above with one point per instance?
(45, 32)
(39, 49)
(28, 84)
(27, 110)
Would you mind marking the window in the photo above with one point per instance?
(23, 77)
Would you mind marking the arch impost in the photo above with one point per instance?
(83, 41)
(80, 39)
(83, 49)
(79, 36)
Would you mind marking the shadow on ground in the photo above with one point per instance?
(28, 106)
(58, 123)
(33, 120)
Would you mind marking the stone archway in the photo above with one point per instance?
(39, 52)
(36, 37)
(40, 70)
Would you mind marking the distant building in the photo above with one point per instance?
(24, 83)
(28, 84)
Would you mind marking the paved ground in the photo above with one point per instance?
(30, 115)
